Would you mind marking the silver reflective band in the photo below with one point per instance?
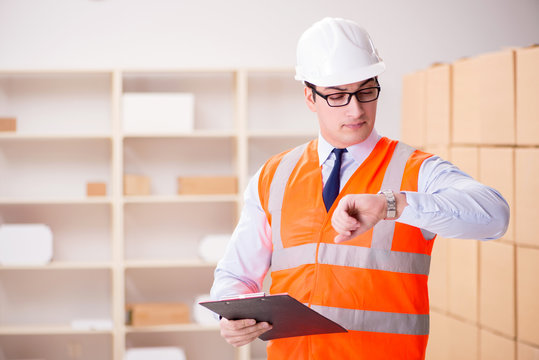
(351, 256)
(276, 192)
(377, 321)
(382, 233)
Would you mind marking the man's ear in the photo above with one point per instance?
(309, 98)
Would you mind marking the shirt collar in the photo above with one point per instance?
(359, 152)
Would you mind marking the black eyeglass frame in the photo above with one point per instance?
(350, 94)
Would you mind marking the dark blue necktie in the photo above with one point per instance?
(333, 184)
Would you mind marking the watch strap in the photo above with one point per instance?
(391, 212)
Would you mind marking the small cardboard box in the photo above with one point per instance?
(96, 189)
(463, 283)
(466, 121)
(497, 97)
(496, 347)
(496, 169)
(8, 124)
(151, 314)
(438, 105)
(205, 185)
(527, 295)
(136, 185)
(158, 113)
(463, 339)
(497, 287)
(526, 198)
(527, 87)
(413, 109)
(438, 275)
(466, 159)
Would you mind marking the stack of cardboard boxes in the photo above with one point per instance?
(482, 114)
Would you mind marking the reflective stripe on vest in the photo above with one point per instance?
(275, 202)
(382, 233)
(376, 321)
(351, 256)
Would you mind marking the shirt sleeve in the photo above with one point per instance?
(452, 204)
(248, 255)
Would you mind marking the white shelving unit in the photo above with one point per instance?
(116, 249)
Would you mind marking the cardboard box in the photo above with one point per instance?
(145, 113)
(466, 159)
(438, 345)
(438, 105)
(463, 278)
(497, 97)
(96, 189)
(528, 295)
(495, 347)
(413, 122)
(136, 185)
(152, 314)
(207, 185)
(527, 352)
(526, 196)
(497, 287)
(466, 120)
(497, 170)
(527, 89)
(438, 276)
(442, 151)
(8, 124)
(463, 340)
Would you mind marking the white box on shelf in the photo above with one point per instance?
(25, 244)
(152, 353)
(145, 113)
(211, 248)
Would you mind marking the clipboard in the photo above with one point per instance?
(288, 316)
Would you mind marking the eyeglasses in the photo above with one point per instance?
(339, 99)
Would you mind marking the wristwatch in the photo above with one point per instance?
(391, 204)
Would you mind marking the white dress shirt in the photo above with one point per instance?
(448, 202)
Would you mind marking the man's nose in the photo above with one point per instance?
(354, 108)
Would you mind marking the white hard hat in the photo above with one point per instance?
(336, 51)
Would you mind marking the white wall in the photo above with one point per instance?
(409, 35)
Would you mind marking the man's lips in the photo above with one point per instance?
(355, 125)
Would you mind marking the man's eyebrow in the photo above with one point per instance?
(341, 89)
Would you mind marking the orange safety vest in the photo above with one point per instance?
(374, 285)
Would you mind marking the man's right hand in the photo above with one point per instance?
(242, 332)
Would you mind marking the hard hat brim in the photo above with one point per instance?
(346, 77)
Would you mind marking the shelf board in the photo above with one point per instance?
(171, 328)
(56, 201)
(48, 137)
(61, 265)
(164, 199)
(165, 264)
(48, 330)
(199, 134)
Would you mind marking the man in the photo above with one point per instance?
(347, 222)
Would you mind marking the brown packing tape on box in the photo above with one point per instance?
(152, 314)
(205, 185)
(8, 124)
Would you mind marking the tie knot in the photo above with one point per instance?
(339, 152)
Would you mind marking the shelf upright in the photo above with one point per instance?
(118, 277)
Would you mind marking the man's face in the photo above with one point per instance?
(347, 125)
